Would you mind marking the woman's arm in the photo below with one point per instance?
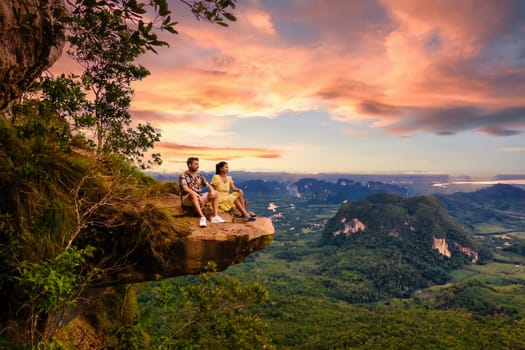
(233, 187)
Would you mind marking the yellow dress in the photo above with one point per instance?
(226, 199)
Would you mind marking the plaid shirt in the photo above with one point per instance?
(195, 183)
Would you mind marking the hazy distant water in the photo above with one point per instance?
(481, 183)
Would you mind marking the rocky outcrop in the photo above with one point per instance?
(224, 244)
(441, 245)
(178, 246)
(471, 253)
(185, 248)
(31, 40)
(350, 227)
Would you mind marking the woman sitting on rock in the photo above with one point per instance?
(223, 184)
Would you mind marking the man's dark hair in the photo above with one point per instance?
(191, 160)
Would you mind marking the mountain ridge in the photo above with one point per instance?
(397, 245)
(499, 205)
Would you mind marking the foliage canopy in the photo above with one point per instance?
(51, 186)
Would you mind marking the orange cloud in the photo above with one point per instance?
(173, 150)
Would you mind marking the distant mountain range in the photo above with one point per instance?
(498, 196)
(501, 205)
(313, 190)
(242, 176)
(411, 184)
(319, 191)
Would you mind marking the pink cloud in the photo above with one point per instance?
(155, 117)
(497, 131)
(406, 66)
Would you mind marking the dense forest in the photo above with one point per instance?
(355, 293)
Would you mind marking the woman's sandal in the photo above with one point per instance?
(249, 218)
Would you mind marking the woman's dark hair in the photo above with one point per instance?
(219, 166)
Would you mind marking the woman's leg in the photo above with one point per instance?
(243, 203)
(239, 204)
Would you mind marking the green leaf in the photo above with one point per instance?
(230, 16)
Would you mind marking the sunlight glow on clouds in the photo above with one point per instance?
(398, 67)
(432, 58)
(260, 20)
(513, 149)
(215, 153)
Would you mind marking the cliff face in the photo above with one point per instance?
(225, 244)
(350, 227)
(137, 238)
(30, 42)
(182, 247)
(441, 245)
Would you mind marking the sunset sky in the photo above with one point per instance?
(384, 86)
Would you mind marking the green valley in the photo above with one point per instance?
(327, 296)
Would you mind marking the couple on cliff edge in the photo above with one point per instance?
(222, 192)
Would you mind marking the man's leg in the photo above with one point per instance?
(214, 199)
(194, 200)
(214, 203)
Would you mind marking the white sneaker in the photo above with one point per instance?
(202, 223)
(217, 219)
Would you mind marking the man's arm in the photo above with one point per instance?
(187, 189)
(205, 183)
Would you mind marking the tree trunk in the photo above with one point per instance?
(31, 40)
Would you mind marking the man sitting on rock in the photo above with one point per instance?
(192, 182)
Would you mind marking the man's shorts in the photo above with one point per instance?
(186, 199)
